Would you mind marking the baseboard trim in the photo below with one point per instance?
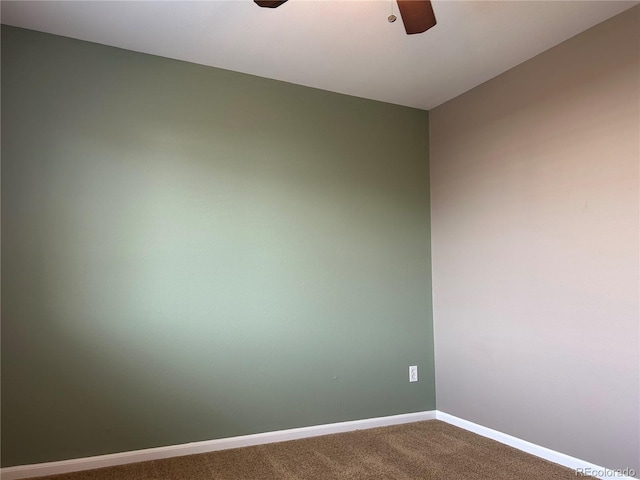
(580, 466)
(111, 460)
(114, 459)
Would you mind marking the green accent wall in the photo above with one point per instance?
(190, 253)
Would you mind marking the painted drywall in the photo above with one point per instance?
(535, 196)
(190, 253)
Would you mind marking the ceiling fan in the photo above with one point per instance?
(417, 15)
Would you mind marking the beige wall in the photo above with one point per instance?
(535, 248)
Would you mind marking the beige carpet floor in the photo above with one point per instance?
(422, 450)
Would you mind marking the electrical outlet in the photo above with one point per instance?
(413, 373)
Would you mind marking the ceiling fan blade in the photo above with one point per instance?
(269, 3)
(417, 15)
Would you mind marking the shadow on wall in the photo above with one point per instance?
(194, 254)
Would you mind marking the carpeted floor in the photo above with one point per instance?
(422, 450)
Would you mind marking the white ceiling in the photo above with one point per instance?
(345, 46)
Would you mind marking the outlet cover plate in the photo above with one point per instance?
(413, 373)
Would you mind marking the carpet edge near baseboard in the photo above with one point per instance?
(580, 466)
(193, 448)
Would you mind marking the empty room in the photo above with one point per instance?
(320, 239)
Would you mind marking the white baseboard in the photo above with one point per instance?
(74, 465)
(580, 466)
